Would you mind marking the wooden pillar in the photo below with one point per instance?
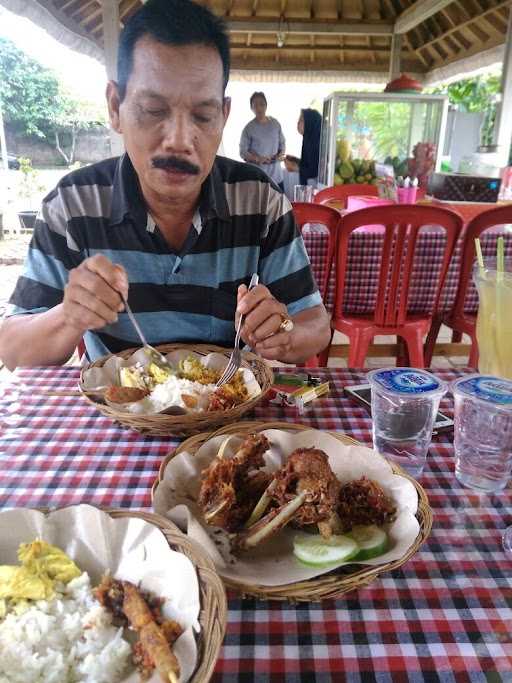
(394, 62)
(503, 125)
(111, 30)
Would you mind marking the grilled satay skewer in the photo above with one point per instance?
(151, 635)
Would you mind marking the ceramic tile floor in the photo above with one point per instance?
(437, 361)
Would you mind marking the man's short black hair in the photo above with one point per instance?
(257, 94)
(171, 22)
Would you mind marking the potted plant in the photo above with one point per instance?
(28, 190)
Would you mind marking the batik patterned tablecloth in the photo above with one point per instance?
(443, 617)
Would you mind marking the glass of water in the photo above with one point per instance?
(303, 193)
(483, 432)
(404, 407)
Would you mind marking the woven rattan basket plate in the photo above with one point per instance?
(212, 596)
(192, 423)
(335, 583)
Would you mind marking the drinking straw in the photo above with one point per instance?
(500, 322)
(479, 257)
(500, 259)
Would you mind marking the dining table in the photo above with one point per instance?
(444, 616)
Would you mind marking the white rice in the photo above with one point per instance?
(69, 639)
(169, 393)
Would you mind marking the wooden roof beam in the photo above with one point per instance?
(464, 24)
(416, 14)
(334, 28)
(363, 49)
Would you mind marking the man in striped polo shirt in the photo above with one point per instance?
(168, 225)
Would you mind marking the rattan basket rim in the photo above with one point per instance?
(335, 583)
(159, 424)
(213, 610)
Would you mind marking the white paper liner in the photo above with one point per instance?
(130, 548)
(272, 563)
(108, 374)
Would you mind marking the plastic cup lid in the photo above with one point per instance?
(486, 388)
(407, 382)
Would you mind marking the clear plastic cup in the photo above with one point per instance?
(483, 432)
(303, 193)
(404, 407)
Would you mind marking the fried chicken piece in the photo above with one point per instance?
(110, 594)
(303, 492)
(117, 394)
(307, 470)
(232, 486)
(363, 502)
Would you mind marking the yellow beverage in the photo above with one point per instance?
(494, 323)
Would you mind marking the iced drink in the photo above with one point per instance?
(494, 322)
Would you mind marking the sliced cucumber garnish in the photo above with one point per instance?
(372, 541)
(318, 551)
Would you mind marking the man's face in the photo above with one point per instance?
(172, 117)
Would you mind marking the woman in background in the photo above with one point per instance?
(262, 142)
(309, 126)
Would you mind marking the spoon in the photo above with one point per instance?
(150, 351)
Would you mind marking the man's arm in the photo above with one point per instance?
(91, 301)
(37, 339)
(289, 291)
(264, 314)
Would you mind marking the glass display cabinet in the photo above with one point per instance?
(361, 128)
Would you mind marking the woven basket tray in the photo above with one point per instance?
(335, 583)
(192, 423)
(212, 596)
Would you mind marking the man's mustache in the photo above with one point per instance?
(175, 164)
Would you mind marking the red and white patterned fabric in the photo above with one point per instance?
(443, 617)
(364, 261)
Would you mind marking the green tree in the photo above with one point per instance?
(74, 115)
(472, 94)
(35, 104)
(477, 94)
(29, 92)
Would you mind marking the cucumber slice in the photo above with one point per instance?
(317, 551)
(372, 541)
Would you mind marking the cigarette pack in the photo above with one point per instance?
(296, 389)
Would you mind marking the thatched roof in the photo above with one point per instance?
(312, 35)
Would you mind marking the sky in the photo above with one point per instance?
(67, 63)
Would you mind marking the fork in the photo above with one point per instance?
(153, 354)
(235, 359)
